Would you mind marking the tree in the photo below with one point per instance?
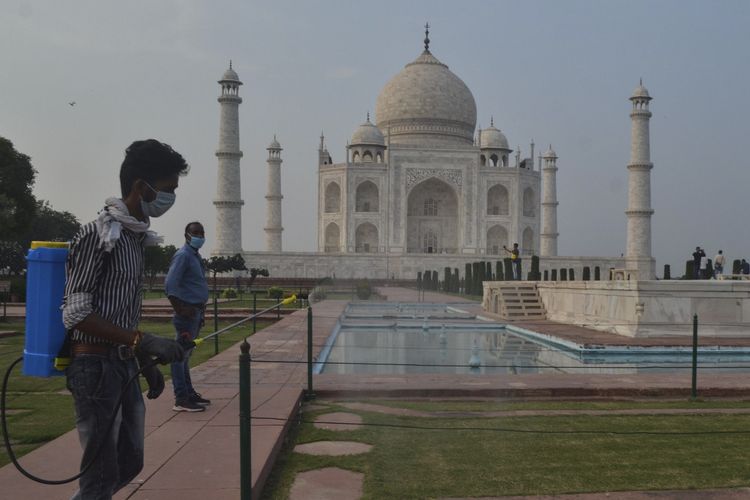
(49, 224)
(223, 264)
(157, 260)
(17, 202)
(12, 258)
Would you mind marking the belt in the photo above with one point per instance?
(122, 352)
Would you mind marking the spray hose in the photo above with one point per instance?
(6, 437)
(185, 343)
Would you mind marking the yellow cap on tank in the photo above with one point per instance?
(50, 244)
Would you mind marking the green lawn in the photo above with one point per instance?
(540, 455)
(42, 409)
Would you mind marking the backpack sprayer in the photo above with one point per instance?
(46, 334)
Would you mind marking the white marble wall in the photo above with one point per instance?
(382, 265)
(651, 308)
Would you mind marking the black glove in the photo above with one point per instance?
(155, 381)
(164, 350)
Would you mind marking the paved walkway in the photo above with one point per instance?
(196, 455)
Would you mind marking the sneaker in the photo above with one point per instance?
(187, 405)
(198, 399)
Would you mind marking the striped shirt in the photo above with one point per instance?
(109, 285)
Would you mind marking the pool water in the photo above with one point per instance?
(387, 338)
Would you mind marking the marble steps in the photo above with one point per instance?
(520, 302)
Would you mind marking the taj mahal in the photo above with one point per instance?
(419, 187)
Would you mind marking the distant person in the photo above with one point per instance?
(697, 263)
(703, 266)
(744, 267)
(515, 258)
(719, 263)
(187, 289)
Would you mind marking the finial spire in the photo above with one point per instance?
(368, 116)
(640, 81)
(230, 64)
(427, 37)
(492, 121)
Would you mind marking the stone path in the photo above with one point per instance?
(331, 482)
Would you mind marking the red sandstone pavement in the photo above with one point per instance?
(196, 456)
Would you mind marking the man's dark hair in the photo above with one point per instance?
(190, 224)
(149, 160)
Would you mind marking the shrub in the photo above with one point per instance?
(467, 279)
(364, 290)
(535, 275)
(18, 288)
(229, 293)
(667, 272)
(546, 275)
(275, 292)
(563, 274)
(508, 264)
(597, 273)
(571, 274)
(689, 270)
(499, 271)
(553, 275)
(736, 266)
(586, 273)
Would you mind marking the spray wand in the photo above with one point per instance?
(188, 343)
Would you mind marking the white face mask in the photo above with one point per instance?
(159, 205)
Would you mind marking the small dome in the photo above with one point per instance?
(640, 92)
(550, 153)
(369, 134)
(274, 144)
(230, 75)
(492, 138)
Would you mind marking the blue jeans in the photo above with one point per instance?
(183, 386)
(96, 382)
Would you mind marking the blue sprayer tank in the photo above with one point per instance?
(45, 285)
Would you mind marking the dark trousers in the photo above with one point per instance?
(181, 382)
(96, 382)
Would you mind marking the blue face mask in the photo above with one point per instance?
(159, 205)
(196, 241)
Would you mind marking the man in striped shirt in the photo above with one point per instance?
(101, 310)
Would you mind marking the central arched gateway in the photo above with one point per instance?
(432, 218)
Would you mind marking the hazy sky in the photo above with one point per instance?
(556, 71)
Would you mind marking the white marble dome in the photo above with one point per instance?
(368, 134)
(641, 92)
(550, 153)
(230, 75)
(492, 138)
(427, 103)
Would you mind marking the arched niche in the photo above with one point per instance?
(332, 198)
(497, 200)
(366, 238)
(432, 218)
(367, 197)
(332, 238)
(529, 203)
(497, 238)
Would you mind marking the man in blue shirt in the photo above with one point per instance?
(187, 289)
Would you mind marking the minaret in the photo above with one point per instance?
(273, 205)
(638, 251)
(548, 235)
(228, 201)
